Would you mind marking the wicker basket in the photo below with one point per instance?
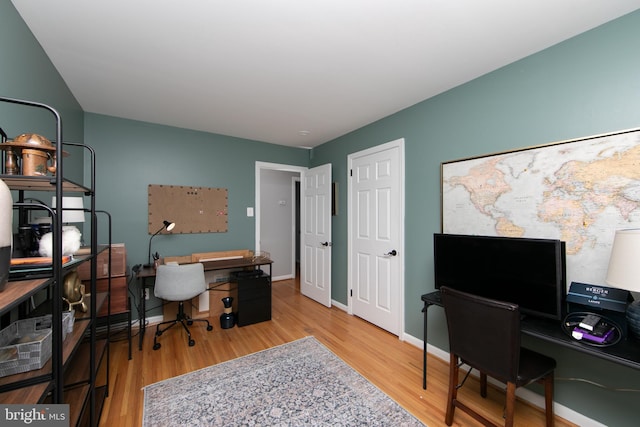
(25, 345)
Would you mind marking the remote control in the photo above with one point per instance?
(589, 322)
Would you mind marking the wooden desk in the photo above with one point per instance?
(144, 274)
(626, 352)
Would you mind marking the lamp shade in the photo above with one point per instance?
(72, 209)
(624, 263)
(624, 271)
(168, 225)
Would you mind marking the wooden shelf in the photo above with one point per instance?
(77, 374)
(69, 348)
(40, 183)
(26, 395)
(16, 292)
(76, 397)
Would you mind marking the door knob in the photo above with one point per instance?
(326, 243)
(392, 253)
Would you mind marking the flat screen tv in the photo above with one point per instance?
(528, 272)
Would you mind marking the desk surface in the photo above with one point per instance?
(215, 265)
(626, 352)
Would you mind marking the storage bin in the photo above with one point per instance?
(67, 322)
(25, 345)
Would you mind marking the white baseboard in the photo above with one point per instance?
(154, 319)
(339, 305)
(523, 393)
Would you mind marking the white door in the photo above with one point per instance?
(376, 218)
(315, 265)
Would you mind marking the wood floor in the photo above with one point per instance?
(392, 365)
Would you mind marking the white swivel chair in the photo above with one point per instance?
(179, 283)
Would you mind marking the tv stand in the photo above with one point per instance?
(626, 352)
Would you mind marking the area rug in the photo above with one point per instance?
(301, 383)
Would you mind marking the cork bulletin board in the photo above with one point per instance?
(193, 209)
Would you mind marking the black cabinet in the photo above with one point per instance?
(254, 297)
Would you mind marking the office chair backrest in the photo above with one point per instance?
(179, 282)
(484, 333)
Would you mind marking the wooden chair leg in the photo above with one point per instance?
(510, 404)
(548, 399)
(453, 390)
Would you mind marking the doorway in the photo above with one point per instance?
(313, 227)
(277, 216)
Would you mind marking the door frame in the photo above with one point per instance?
(259, 166)
(398, 143)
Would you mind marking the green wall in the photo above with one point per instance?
(131, 155)
(27, 73)
(584, 86)
(587, 85)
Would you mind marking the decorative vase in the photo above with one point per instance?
(6, 232)
(227, 319)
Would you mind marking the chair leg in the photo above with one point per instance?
(483, 384)
(510, 404)
(184, 325)
(453, 388)
(184, 320)
(171, 323)
(548, 399)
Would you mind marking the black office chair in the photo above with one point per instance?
(485, 335)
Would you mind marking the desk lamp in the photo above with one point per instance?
(165, 224)
(624, 271)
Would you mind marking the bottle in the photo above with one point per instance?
(11, 162)
(227, 319)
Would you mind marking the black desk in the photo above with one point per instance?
(228, 264)
(626, 352)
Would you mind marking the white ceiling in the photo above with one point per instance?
(268, 69)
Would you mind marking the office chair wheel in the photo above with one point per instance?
(189, 322)
(156, 346)
(192, 343)
(209, 328)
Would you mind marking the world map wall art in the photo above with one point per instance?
(579, 191)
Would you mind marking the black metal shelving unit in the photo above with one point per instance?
(65, 378)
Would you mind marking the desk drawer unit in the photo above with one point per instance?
(254, 298)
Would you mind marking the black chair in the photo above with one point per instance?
(485, 335)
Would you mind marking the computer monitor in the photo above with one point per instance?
(526, 271)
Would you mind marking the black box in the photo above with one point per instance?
(601, 300)
(254, 298)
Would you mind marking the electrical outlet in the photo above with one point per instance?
(146, 293)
